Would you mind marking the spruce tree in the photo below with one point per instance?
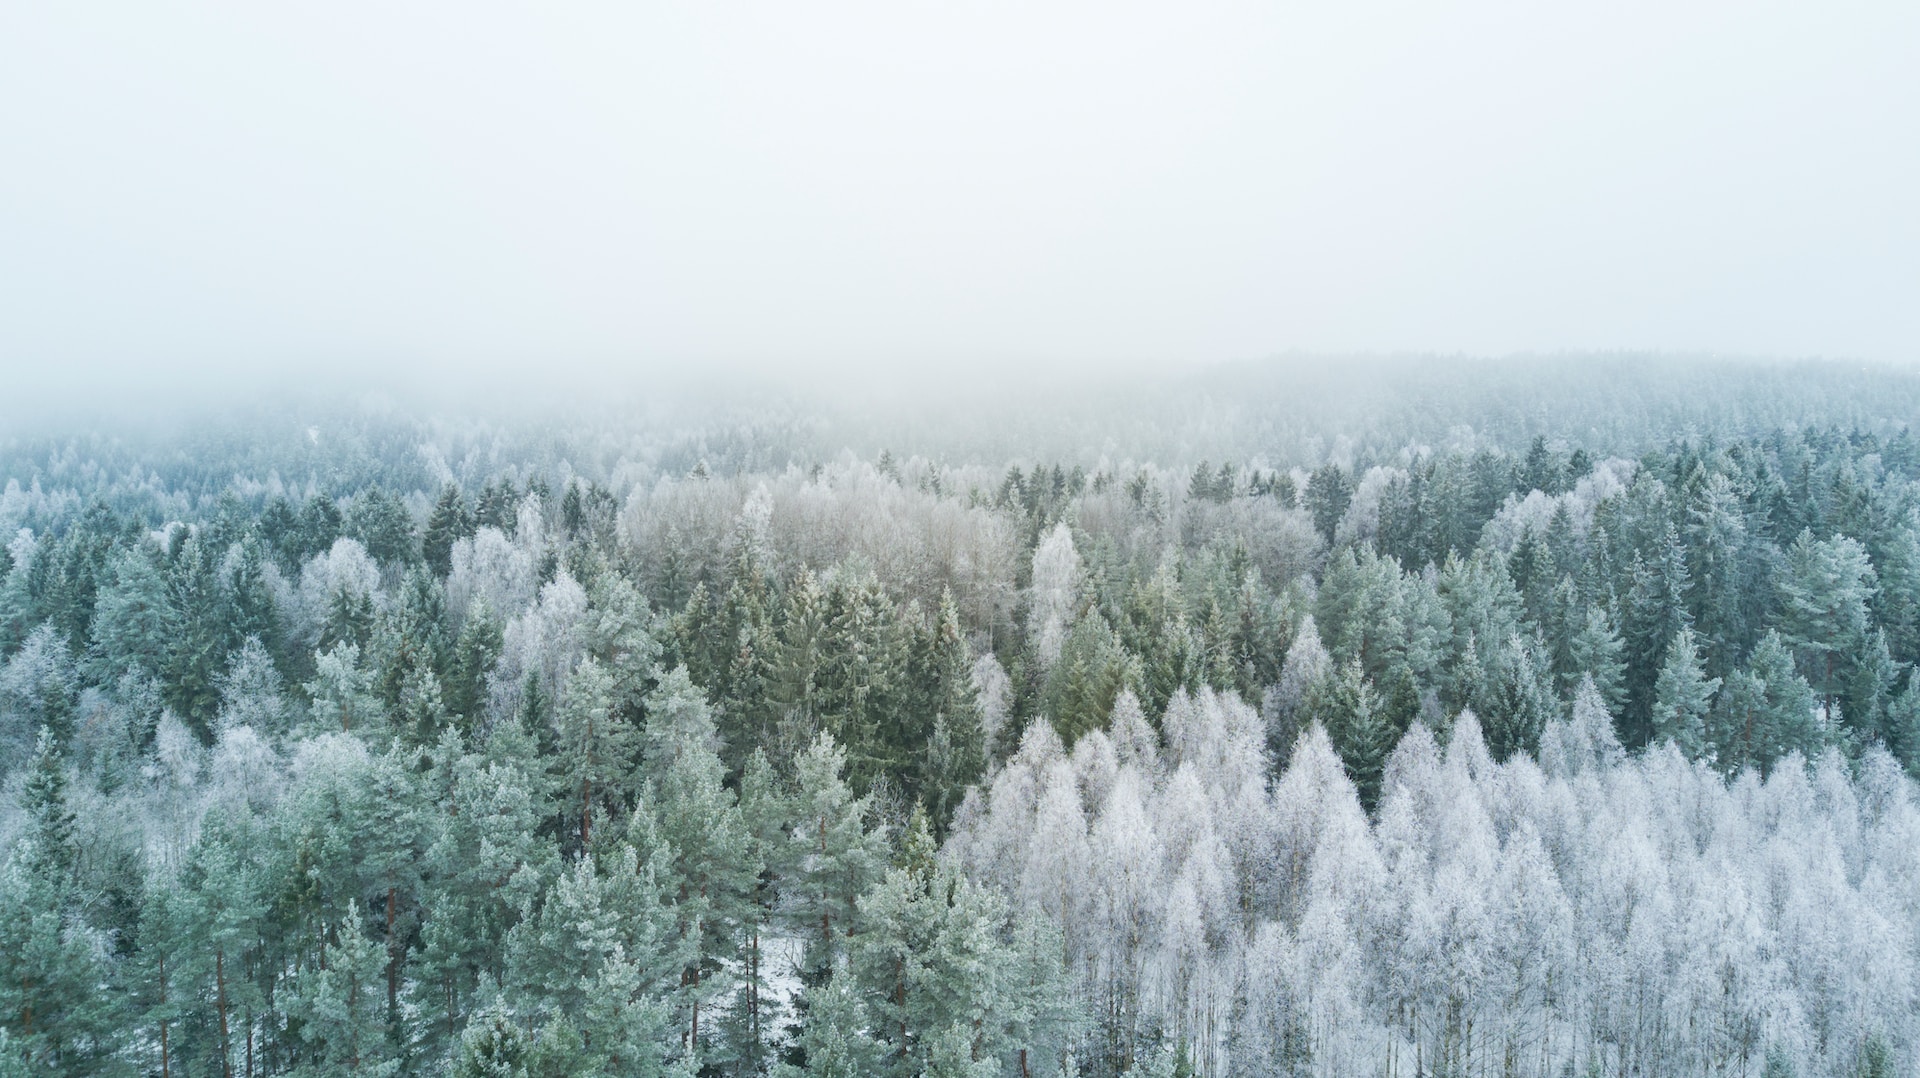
(1765, 711)
(475, 651)
(1597, 651)
(383, 526)
(449, 522)
(1823, 591)
(1683, 697)
(51, 820)
(1329, 491)
(1655, 612)
(1347, 705)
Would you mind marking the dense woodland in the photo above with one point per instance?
(364, 743)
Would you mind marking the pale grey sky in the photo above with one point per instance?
(232, 189)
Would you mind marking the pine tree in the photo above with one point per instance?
(1765, 711)
(695, 824)
(338, 1003)
(491, 1046)
(224, 888)
(1903, 723)
(203, 636)
(1329, 491)
(936, 953)
(383, 526)
(1717, 539)
(1522, 700)
(1683, 697)
(596, 744)
(1869, 690)
(474, 652)
(793, 664)
(599, 956)
(860, 674)
(484, 863)
(249, 599)
(954, 754)
(134, 620)
(1897, 563)
(1656, 611)
(746, 1031)
(1823, 590)
(1597, 651)
(55, 1016)
(1350, 710)
(1093, 670)
(343, 694)
(837, 854)
(833, 1040)
(320, 524)
(449, 522)
(413, 639)
(159, 977)
(51, 818)
(349, 620)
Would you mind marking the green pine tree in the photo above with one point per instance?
(1683, 697)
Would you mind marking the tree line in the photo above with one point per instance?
(895, 766)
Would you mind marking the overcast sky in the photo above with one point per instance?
(236, 190)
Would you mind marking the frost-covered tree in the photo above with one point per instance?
(1053, 597)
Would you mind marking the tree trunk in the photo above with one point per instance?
(753, 983)
(166, 1066)
(586, 811)
(393, 959)
(220, 1004)
(353, 1029)
(900, 1001)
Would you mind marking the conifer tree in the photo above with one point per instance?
(1656, 611)
(1683, 696)
(599, 957)
(133, 619)
(1903, 723)
(596, 744)
(449, 522)
(491, 1046)
(224, 887)
(1824, 589)
(56, 1017)
(746, 1031)
(383, 526)
(338, 1002)
(833, 1041)
(1328, 493)
(793, 665)
(475, 651)
(1765, 711)
(836, 852)
(1597, 651)
(159, 978)
(343, 694)
(1348, 707)
(51, 819)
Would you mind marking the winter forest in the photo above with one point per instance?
(1537, 719)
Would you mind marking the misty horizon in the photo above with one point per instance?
(205, 196)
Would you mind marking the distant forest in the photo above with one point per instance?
(1452, 718)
